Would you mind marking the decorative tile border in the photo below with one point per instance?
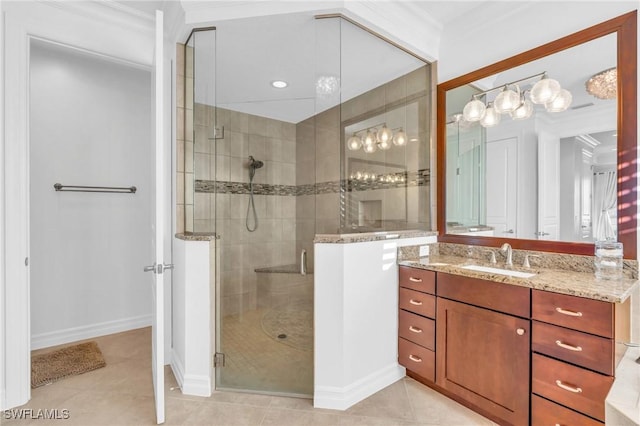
(419, 178)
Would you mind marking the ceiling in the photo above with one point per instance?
(252, 52)
(299, 49)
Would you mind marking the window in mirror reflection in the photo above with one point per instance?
(550, 176)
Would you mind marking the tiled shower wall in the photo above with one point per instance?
(319, 164)
(222, 196)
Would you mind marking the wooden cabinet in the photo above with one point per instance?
(483, 355)
(516, 355)
(416, 321)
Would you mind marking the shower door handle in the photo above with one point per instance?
(303, 262)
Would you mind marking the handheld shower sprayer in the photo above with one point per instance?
(253, 166)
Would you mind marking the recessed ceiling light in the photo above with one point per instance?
(279, 84)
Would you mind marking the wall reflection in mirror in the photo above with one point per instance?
(548, 175)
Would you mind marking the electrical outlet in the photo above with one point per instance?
(424, 251)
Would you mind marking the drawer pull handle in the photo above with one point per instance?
(567, 312)
(569, 347)
(568, 388)
(415, 358)
(415, 280)
(415, 329)
(415, 302)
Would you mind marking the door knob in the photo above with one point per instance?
(520, 331)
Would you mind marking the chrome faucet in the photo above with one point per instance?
(506, 247)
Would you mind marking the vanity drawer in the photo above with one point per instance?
(586, 350)
(547, 413)
(420, 303)
(575, 387)
(579, 313)
(417, 329)
(420, 360)
(499, 297)
(418, 279)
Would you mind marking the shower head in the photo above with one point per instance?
(255, 164)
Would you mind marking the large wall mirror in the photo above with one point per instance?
(549, 176)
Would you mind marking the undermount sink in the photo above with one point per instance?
(499, 271)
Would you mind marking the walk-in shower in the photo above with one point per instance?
(266, 212)
(251, 206)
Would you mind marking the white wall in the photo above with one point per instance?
(101, 27)
(90, 125)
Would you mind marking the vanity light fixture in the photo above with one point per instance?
(491, 117)
(279, 84)
(524, 111)
(371, 139)
(604, 85)
(560, 103)
(512, 100)
(507, 101)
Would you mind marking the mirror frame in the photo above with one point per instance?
(625, 26)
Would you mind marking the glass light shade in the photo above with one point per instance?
(524, 111)
(491, 117)
(385, 145)
(561, 102)
(544, 91)
(369, 139)
(474, 110)
(385, 135)
(354, 143)
(506, 101)
(400, 138)
(370, 149)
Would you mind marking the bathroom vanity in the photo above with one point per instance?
(532, 349)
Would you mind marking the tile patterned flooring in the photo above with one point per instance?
(122, 394)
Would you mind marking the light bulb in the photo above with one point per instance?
(400, 138)
(507, 101)
(561, 102)
(354, 143)
(523, 111)
(474, 110)
(369, 139)
(384, 135)
(544, 91)
(370, 149)
(491, 117)
(385, 145)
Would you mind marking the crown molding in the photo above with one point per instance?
(109, 12)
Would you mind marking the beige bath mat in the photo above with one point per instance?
(70, 361)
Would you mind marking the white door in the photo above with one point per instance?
(157, 222)
(548, 188)
(502, 181)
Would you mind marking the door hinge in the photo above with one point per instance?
(218, 360)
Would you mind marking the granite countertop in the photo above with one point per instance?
(197, 236)
(580, 284)
(370, 236)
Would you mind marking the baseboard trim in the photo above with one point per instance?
(190, 384)
(196, 385)
(177, 367)
(336, 398)
(53, 338)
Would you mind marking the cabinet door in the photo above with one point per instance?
(483, 357)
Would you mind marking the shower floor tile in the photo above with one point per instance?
(259, 362)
